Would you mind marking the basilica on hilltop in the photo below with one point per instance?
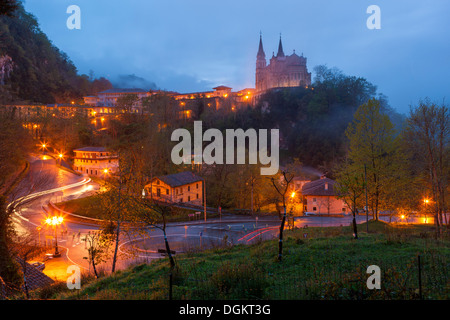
(282, 70)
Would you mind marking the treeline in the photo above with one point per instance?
(312, 121)
(398, 172)
(32, 69)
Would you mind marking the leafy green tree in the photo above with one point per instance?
(428, 136)
(350, 184)
(371, 144)
(7, 7)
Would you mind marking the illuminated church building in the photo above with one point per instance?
(282, 71)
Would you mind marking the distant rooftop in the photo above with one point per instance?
(317, 187)
(222, 88)
(92, 149)
(179, 179)
(124, 90)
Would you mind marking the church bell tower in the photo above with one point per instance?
(260, 66)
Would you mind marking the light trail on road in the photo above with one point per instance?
(29, 197)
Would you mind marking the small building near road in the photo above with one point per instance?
(95, 161)
(182, 187)
(319, 197)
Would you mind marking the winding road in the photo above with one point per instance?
(47, 182)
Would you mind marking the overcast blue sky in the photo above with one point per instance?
(194, 45)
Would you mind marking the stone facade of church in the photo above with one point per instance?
(282, 70)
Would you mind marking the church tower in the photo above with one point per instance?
(283, 70)
(260, 67)
(280, 53)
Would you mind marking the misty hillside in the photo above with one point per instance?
(312, 121)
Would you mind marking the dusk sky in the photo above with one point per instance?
(194, 45)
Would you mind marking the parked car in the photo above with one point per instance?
(38, 265)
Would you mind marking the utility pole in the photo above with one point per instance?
(252, 193)
(367, 208)
(204, 197)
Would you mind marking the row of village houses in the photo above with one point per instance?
(319, 196)
(105, 102)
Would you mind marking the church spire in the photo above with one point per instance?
(261, 53)
(280, 49)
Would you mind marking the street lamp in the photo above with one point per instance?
(426, 201)
(55, 222)
(44, 146)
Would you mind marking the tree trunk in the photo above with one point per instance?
(355, 227)
(95, 269)
(169, 254)
(280, 242)
(116, 249)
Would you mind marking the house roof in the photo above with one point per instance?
(35, 278)
(222, 88)
(317, 188)
(179, 179)
(91, 149)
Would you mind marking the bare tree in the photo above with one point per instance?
(282, 187)
(350, 188)
(98, 243)
(154, 214)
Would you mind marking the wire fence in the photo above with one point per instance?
(421, 277)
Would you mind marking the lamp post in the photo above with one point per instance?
(55, 222)
(426, 202)
(44, 147)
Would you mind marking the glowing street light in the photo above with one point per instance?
(60, 157)
(55, 221)
(293, 194)
(43, 146)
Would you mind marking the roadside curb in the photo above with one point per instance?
(90, 221)
(18, 178)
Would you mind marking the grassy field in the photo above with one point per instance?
(91, 207)
(327, 264)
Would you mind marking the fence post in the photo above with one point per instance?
(170, 285)
(420, 277)
(2, 289)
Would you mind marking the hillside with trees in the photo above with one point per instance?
(32, 69)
